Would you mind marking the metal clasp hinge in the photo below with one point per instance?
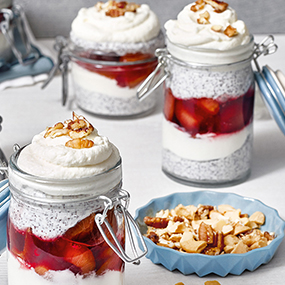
(31, 54)
(157, 77)
(265, 47)
(100, 219)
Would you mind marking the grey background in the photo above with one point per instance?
(53, 17)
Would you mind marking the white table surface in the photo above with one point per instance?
(28, 110)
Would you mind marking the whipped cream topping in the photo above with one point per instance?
(188, 32)
(50, 157)
(93, 24)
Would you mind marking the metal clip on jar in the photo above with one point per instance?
(13, 34)
(105, 84)
(69, 231)
(208, 112)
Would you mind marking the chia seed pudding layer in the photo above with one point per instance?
(102, 104)
(49, 221)
(227, 169)
(209, 82)
(119, 48)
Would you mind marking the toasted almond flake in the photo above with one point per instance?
(216, 28)
(204, 18)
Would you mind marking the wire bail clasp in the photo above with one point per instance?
(100, 219)
(266, 46)
(157, 77)
(30, 55)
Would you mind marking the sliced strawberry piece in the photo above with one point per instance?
(81, 257)
(209, 105)
(169, 105)
(187, 119)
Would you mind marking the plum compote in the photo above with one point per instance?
(206, 115)
(81, 249)
(129, 75)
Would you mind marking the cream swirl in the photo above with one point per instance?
(93, 24)
(188, 32)
(50, 157)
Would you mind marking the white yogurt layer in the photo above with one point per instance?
(50, 158)
(18, 273)
(188, 32)
(92, 81)
(92, 24)
(203, 148)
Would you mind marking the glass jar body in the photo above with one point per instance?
(106, 81)
(207, 126)
(54, 239)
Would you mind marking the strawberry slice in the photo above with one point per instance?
(187, 119)
(80, 256)
(169, 105)
(209, 105)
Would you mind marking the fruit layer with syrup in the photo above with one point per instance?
(206, 115)
(81, 249)
(129, 75)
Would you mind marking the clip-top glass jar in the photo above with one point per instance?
(68, 231)
(208, 114)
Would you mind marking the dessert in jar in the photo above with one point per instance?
(209, 97)
(112, 46)
(5, 49)
(65, 192)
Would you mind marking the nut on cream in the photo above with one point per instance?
(98, 24)
(68, 150)
(201, 24)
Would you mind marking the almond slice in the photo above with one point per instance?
(216, 28)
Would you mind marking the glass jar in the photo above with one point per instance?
(106, 75)
(67, 231)
(5, 49)
(208, 113)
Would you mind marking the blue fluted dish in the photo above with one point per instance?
(202, 264)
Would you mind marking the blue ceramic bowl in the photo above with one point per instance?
(204, 264)
(3, 216)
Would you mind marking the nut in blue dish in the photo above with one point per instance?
(202, 264)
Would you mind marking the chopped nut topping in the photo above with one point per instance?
(116, 9)
(230, 31)
(204, 18)
(219, 6)
(77, 129)
(199, 5)
(208, 230)
(79, 143)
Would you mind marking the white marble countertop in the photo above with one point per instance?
(28, 110)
